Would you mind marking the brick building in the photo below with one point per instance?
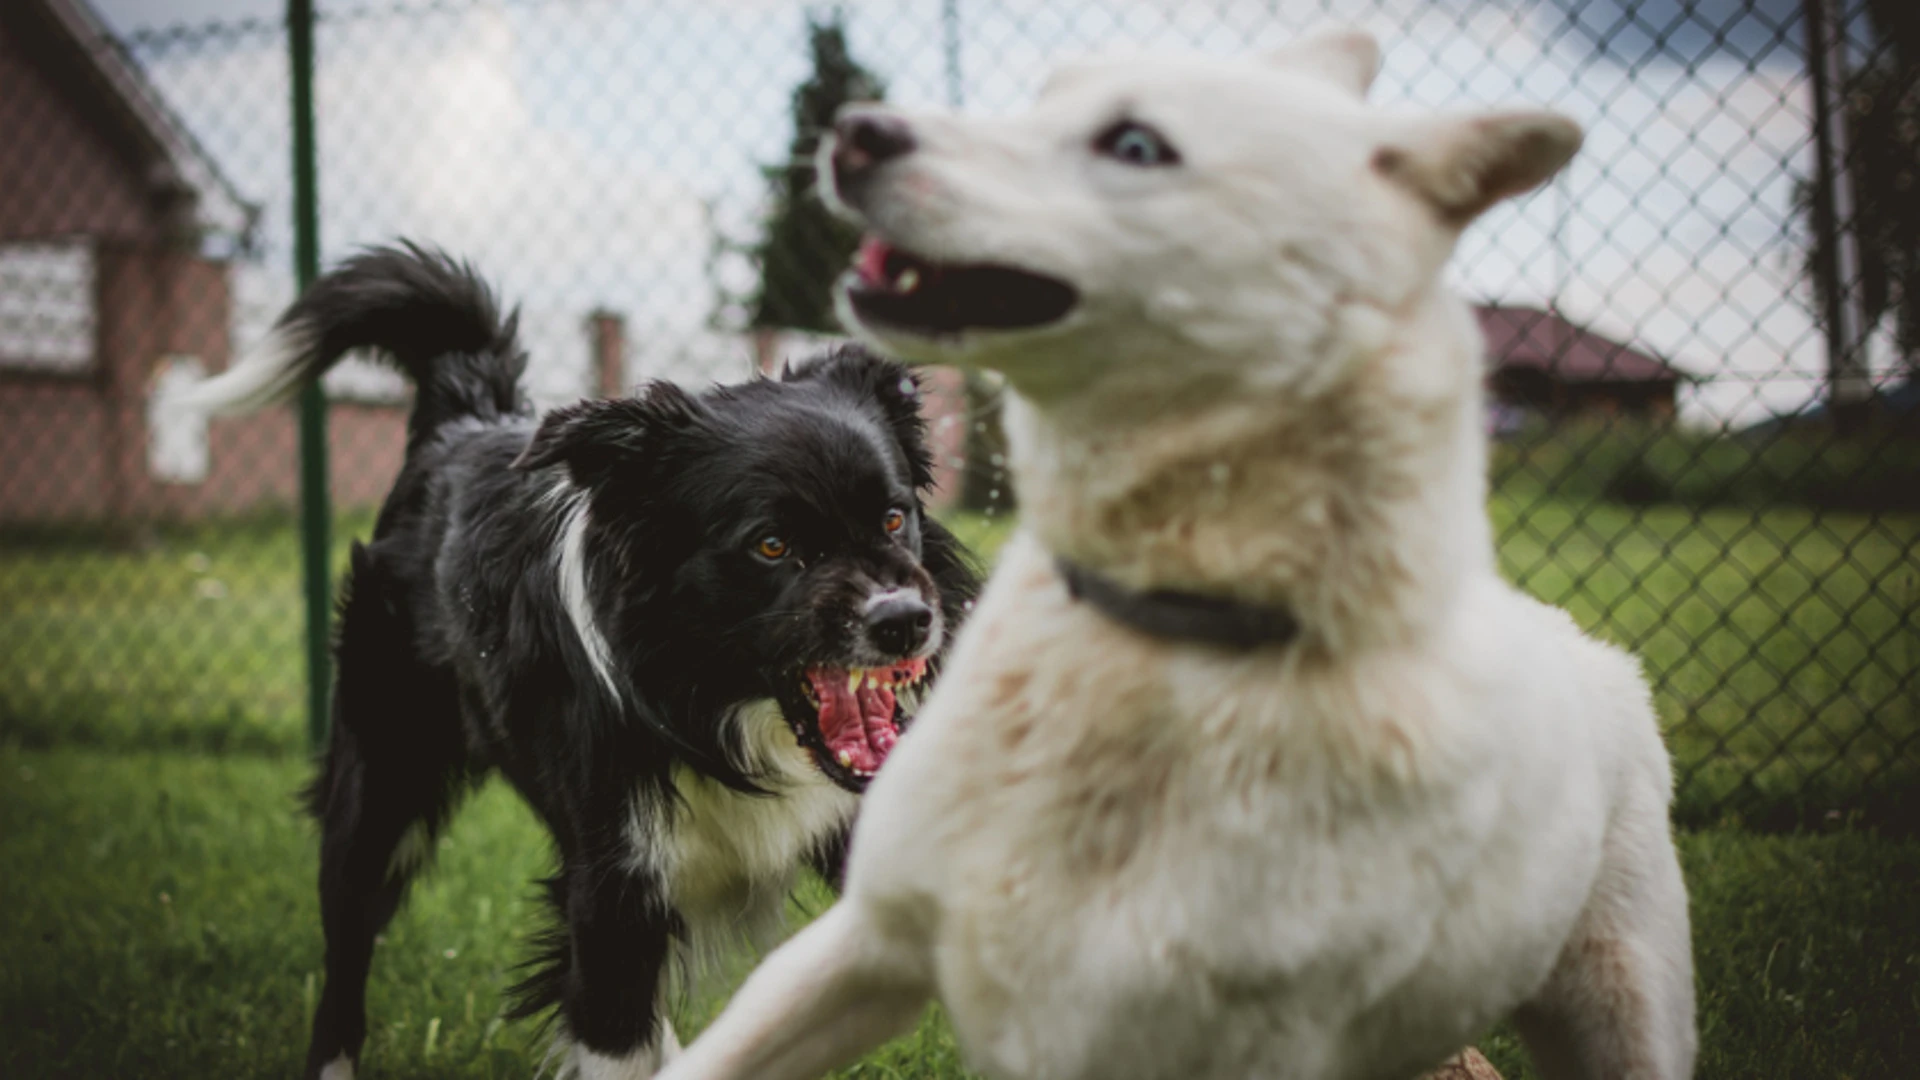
(1542, 363)
(118, 237)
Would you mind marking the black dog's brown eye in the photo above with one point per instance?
(896, 520)
(771, 547)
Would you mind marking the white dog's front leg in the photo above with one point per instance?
(1619, 1004)
(833, 992)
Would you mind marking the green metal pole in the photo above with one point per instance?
(315, 507)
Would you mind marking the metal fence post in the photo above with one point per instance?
(315, 507)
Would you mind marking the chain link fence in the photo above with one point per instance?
(1703, 451)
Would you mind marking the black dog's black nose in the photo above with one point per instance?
(866, 138)
(897, 624)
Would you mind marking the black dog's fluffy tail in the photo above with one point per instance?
(417, 308)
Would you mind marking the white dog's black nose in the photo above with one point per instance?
(865, 139)
(898, 623)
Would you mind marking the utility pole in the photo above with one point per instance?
(1849, 386)
(950, 40)
(983, 484)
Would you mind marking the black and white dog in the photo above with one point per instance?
(687, 628)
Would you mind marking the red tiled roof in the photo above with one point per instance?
(1528, 337)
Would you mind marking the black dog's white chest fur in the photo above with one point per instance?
(729, 858)
(686, 628)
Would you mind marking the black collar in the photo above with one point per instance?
(1171, 615)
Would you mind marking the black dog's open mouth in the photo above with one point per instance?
(894, 289)
(850, 718)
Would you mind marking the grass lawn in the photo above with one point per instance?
(161, 922)
(1783, 645)
(191, 639)
(159, 893)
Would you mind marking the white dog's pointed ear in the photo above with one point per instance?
(1345, 56)
(1466, 165)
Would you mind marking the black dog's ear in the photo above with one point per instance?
(591, 438)
(895, 387)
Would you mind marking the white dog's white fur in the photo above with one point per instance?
(1112, 857)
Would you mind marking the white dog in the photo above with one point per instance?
(1248, 763)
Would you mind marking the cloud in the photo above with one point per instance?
(433, 134)
(451, 150)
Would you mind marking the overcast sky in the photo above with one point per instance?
(588, 152)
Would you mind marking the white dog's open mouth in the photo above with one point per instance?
(897, 290)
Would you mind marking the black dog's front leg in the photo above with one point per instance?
(829, 859)
(620, 929)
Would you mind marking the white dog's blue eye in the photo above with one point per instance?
(1136, 144)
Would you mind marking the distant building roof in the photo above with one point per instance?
(1527, 337)
(174, 160)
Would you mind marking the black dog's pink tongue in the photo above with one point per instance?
(871, 263)
(856, 717)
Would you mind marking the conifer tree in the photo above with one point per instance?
(804, 249)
